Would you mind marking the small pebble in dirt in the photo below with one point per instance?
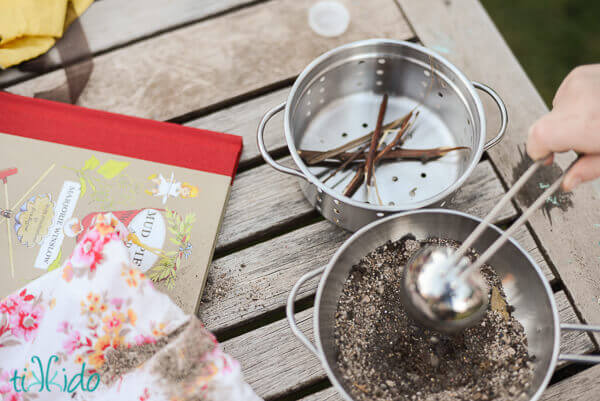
(384, 356)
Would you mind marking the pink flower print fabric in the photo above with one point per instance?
(97, 329)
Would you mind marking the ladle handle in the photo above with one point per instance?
(260, 141)
(491, 250)
(588, 359)
(291, 313)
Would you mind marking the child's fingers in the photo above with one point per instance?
(559, 132)
(586, 169)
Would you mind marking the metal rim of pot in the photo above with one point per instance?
(325, 271)
(304, 172)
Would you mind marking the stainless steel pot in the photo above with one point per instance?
(524, 284)
(336, 99)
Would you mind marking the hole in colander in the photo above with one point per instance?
(322, 79)
(365, 125)
(308, 113)
(424, 83)
(378, 83)
(427, 73)
(391, 203)
(344, 134)
(379, 72)
(308, 103)
(468, 122)
(381, 61)
(423, 175)
(394, 178)
(322, 90)
(361, 61)
(308, 91)
(440, 94)
(322, 101)
(380, 214)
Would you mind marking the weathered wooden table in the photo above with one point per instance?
(220, 64)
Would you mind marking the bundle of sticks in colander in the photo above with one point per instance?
(371, 149)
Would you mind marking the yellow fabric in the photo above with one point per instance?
(20, 18)
(29, 28)
(24, 48)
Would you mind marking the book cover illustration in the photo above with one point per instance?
(52, 193)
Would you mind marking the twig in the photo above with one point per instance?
(377, 190)
(375, 141)
(349, 145)
(369, 164)
(312, 157)
(335, 184)
(397, 140)
(355, 183)
(425, 155)
(394, 154)
(345, 164)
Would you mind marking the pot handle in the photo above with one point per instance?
(503, 113)
(290, 309)
(263, 149)
(588, 359)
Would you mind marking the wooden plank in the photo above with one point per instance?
(111, 23)
(571, 342)
(257, 280)
(276, 363)
(581, 387)
(243, 119)
(209, 62)
(463, 31)
(273, 361)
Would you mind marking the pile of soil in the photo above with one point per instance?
(384, 355)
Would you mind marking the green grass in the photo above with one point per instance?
(549, 37)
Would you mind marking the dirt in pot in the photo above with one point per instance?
(384, 355)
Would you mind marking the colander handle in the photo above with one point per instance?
(290, 310)
(503, 113)
(588, 359)
(260, 140)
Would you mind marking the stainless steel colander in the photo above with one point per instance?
(336, 99)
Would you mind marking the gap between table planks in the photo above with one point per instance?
(275, 363)
(108, 24)
(463, 31)
(187, 69)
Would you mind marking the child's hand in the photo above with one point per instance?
(573, 124)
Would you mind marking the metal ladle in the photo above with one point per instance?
(441, 289)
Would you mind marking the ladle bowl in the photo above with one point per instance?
(437, 294)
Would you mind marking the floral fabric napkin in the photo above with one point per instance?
(97, 329)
